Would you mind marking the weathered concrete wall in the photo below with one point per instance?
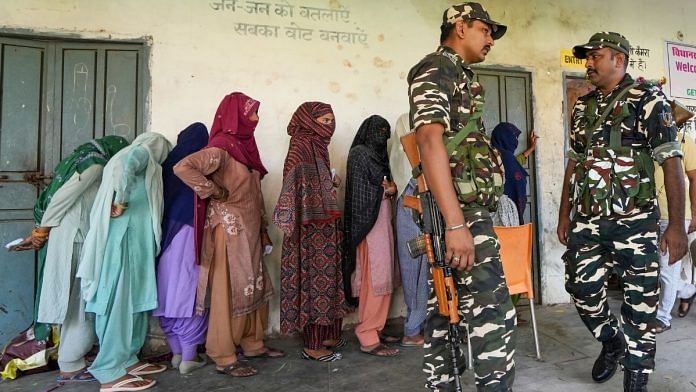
(198, 56)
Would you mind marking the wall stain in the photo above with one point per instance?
(334, 87)
(381, 63)
(380, 38)
(352, 97)
(347, 63)
(335, 5)
(402, 75)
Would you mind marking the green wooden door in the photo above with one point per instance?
(509, 99)
(54, 96)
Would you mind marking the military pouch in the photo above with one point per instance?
(477, 172)
(613, 181)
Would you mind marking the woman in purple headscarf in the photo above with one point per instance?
(177, 272)
(505, 138)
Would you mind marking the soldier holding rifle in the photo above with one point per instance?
(465, 177)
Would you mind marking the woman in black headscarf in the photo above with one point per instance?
(369, 249)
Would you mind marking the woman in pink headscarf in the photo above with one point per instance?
(230, 228)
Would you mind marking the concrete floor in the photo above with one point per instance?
(567, 348)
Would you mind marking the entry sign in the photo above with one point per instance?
(681, 67)
(570, 61)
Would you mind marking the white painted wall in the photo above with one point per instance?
(197, 58)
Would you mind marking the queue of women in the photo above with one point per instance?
(182, 231)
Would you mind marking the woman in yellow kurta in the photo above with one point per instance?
(231, 235)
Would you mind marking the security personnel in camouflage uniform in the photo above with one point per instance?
(617, 133)
(465, 176)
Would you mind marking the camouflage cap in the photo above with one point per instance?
(471, 10)
(604, 39)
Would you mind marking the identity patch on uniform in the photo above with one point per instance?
(666, 118)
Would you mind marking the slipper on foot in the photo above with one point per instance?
(140, 370)
(122, 386)
(389, 339)
(187, 367)
(411, 343)
(661, 327)
(381, 349)
(688, 302)
(236, 369)
(82, 376)
(340, 343)
(324, 358)
(176, 360)
(269, 353)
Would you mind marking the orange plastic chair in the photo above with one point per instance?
(516, 256)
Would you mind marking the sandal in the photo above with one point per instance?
(324, 358)
(381, 351)
(80, 376)
(412, 342)
(140, 370)
(389, 339)
(238, 369)
(661, 327)
(268, 353)
(340, 343)
(122, 385)
(688, 301)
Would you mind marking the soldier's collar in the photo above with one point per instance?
(453, 56)
(625, 82)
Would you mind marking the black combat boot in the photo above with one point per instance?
(635, 381)
(613, 350)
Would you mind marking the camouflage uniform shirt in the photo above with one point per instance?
(442, 90)
(645, 119)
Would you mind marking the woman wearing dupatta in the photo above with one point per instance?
(62, 210)
(369, 259)
(312, 299)
(504, 138)
(118, 261)
(231, 233)
(177, 271)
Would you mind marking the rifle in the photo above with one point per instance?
(432, 243)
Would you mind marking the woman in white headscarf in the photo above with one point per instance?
(118, 261)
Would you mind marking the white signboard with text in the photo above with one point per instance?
(681, 70)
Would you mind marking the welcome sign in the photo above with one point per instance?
(681, 68)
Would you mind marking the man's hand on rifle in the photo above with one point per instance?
(460, 249)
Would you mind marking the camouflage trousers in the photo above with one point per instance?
(484, 304)
(628, 244)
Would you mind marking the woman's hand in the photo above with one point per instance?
(336, 180)
(117, 209)
(389, 187)
(220, 195)
(266, 243)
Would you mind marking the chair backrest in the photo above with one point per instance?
(516, 256)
